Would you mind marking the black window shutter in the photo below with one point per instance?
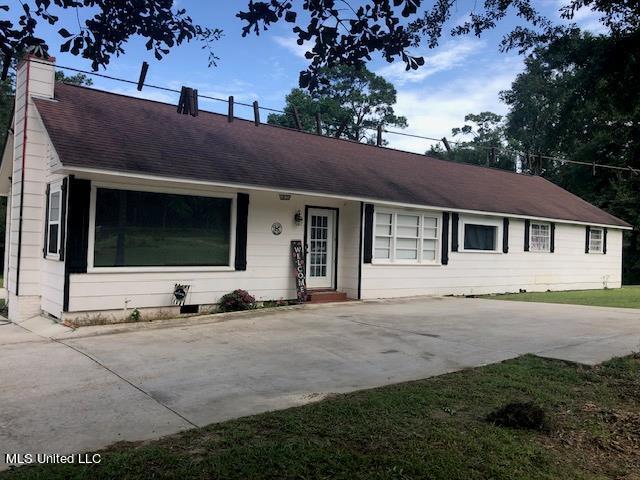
(242, 219)
(444, 259)
(505, 235)
(45, 245)
(587, 231)
(79, 198)
(455, 218)
(367, 255)
(527, 225)
(63, 217)
(604, 240)
(552, 238)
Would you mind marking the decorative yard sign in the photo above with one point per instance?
(297, 252)
(180, 294)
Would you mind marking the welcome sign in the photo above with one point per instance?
(297, 252)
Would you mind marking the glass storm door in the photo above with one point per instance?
(320, 247)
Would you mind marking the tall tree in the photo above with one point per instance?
(77, 79)
(579, 98)
(352, 105)
(342, 32)
(480, 141)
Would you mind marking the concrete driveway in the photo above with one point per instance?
(86, 389)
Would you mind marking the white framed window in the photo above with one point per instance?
(596, 240)
(480, 234)
(54, 226)
(160, 229)
(539, 237)
(406, 237)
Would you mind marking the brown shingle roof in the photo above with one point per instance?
(95, 129)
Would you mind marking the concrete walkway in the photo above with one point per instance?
(64, 391)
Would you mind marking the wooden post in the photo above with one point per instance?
(296, 118)
(230, 113)
(379, 136)
(256, 113)
(318, 123)
(188, 102)
(182, 100)
(538, 165)
(143, 75)
(194, 102)
(446, 144)
(492, 158)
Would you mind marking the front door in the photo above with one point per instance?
(321, 232)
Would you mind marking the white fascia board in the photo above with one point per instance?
(377, 201)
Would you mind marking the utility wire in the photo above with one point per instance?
(392, 132)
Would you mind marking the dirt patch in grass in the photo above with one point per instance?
(434, 428)
(607, 440)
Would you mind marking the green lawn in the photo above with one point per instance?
(625, 297)
(433, 428)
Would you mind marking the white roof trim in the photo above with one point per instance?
(83, 170)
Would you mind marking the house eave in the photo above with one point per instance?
(71, 170)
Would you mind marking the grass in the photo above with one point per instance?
(434, 428)
(625, 297)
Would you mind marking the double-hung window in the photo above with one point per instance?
(406, 237)
(596, 240)
(540, 237)
(53, 221)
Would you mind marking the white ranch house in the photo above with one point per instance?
(113, 201)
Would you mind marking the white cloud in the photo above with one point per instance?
(291, 44)
(448, 56)
(433, 110)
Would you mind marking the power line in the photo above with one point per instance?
(392, 132)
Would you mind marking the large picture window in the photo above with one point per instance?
(406, 237)
(142, 229)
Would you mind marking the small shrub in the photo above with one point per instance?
(523, 415)
(236, 301)
(134, 316)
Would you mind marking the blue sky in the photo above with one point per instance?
(463, 75)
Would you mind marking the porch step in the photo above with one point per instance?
(326, 296)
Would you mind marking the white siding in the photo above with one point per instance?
(349, 249)
(569, 267)
(269, 273)
(35, 174)
(52, 272)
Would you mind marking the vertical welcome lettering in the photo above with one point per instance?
(297, 253)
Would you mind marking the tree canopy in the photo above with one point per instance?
(351, 104)
(577, 99)
(337, 32)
